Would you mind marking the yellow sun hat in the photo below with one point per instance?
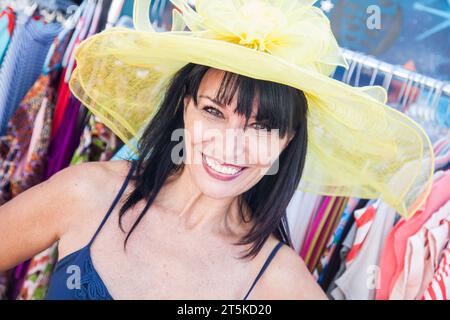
(357, 145)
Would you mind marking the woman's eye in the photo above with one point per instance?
(213, 111)
(261, 126)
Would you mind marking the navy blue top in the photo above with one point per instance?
(75, 277)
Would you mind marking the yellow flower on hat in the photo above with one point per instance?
(295, 31)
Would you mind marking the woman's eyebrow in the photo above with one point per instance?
(213, 100)
(252, 116)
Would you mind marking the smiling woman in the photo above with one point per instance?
(231, 117)
(228, 200)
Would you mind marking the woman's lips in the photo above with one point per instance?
(223, 172)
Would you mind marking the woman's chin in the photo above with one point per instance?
(215, 191)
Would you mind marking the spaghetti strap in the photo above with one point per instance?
(114, 203)
(264, 267)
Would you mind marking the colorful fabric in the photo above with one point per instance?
(320, 232)
(360, 278)
(439, 288)
(300, 211)
(65, 141)
(23, 63)
(14, 145)
(38, 275)
(393, 256)
(62, 102)
(7, 20)
(32, 166)
(97, 143)
(422, 256)
(326, 234)
(305, 252)
(334, 262)
(364, 219)
(23, 149)
(338, 232)
(345, 247)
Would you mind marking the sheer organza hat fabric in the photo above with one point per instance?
(357, 145)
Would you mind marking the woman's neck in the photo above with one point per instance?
(199, 211)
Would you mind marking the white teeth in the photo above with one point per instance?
(216, 166)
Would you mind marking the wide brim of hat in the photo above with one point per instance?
(357, 146)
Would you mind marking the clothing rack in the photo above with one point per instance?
(368, 61)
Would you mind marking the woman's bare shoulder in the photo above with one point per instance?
(88, 186)
(67, 207)
(83, 178)
(87, 191)
(288, 278)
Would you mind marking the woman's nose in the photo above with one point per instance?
(227, 144)
(234, 145)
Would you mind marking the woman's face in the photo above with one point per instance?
(225, 157)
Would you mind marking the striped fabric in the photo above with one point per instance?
(347, 212)
(439, 288)
(321, 230)
(327, 232)
(23, 62)
(363, 220)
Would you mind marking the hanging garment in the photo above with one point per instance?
(23, 62)
(80, 34)
(422, 256)
(363, 219)
(338, 232)
(314, 230)
(7, 21)
(23, 149)
(125, 22)
(318, 236)
(93, 28)
(299, 212)
(85, 20)
(335, 260)
(106, 5)
(439, 288)
(31, 168)
(440, 144)
(345, 249)
(97, 143)
(443, 157)
(14, 145)
(325, 234)
(38, 274)
(66, 140)
(63, 95)
(392, 259)
(360, 279)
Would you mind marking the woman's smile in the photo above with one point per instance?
(221, 171)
